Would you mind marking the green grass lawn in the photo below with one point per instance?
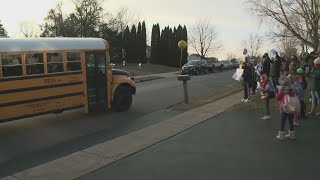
(202, 100)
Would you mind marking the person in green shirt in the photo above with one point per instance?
(314, 86)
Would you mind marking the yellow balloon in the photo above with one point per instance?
(182, 44)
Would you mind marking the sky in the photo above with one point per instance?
(232, 21)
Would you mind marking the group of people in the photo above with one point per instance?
(285, 80)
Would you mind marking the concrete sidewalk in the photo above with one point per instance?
(88, 160)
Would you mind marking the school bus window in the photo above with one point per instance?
(91, 67)
(34, 64)
(55, 62)
(11, 65)
(73, 61)
(73, 56)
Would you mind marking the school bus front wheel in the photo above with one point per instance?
(123, 98)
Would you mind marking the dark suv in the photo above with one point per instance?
(195, 67)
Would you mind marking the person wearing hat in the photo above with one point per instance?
(297, 85)
(314, 86)
(302, 80)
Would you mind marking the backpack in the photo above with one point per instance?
(291, 104)
(271, 91)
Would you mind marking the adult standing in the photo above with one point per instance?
(294, 65)
(266, 64)
(275, 67)
(253, 84)
(312, 56)
(314, 86)
(284, 69)
(304, 57)
(247, 80)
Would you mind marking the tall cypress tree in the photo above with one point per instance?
(139, 43)
(144, 42)
(185, 52)
(132, 49)
(3, 31)
(171, 48)
(126, 40)
(164, 42)
(164, 46)
(155, 45)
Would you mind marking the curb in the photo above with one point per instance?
(145, 79)
(91, 159)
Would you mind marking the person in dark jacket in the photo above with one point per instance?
(275, 68)
(247, 80)
(266, 64)
(253, 84)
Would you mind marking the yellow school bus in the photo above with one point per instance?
(50, 75)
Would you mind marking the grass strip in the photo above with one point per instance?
(202, 100)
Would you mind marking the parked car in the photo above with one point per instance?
(214, 65)
(235, 63)
(195, 67)
(226, 65)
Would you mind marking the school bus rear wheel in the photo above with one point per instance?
(123, 99)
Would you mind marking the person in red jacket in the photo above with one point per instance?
(286, 89)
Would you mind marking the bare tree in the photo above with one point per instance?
(121, 19)
(54, 22)
(253, 45)
(204, 38)
(299, 17)
(29, 29)
(286, 43)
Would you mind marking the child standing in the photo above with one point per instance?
(299, 92)
(264, 92)
(281, 95)
(302, 80)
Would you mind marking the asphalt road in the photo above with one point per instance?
(231, 145)
(33, 141)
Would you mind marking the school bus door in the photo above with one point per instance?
(96, 80)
